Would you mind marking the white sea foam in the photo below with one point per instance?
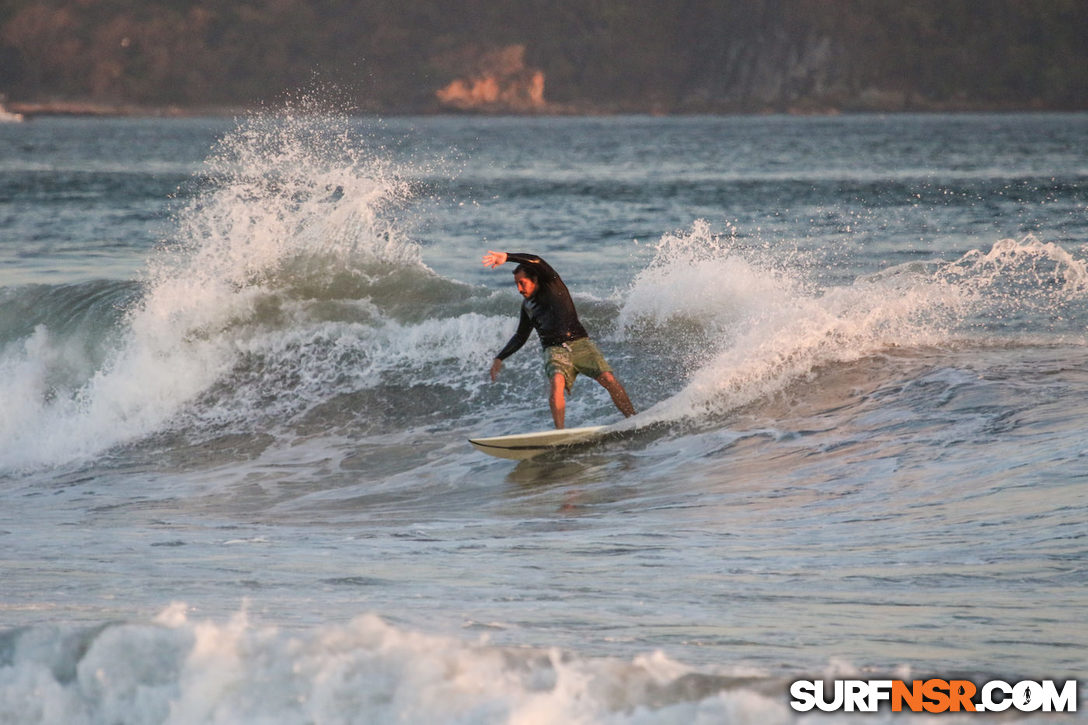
(701, 278)
(294, 194)
(179, 671)
(291, 369)
(761, 328)
(175, 670)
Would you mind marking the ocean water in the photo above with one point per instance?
(240, 359)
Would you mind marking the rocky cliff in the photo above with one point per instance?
(552, 55)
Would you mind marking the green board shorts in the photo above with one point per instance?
(571, 358)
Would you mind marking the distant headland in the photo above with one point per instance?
(126, 57)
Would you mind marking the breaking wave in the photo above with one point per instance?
(292, 245)
(748, 324)
(292, 287)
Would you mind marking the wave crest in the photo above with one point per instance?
(743, 328)
(292, 206)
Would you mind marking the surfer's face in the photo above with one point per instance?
(526, 286)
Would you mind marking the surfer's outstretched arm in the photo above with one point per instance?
(497, 259)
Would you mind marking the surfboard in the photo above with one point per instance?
(526, 445)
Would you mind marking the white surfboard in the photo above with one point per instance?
(527, 445)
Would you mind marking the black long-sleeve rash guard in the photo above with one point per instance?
(550, 310)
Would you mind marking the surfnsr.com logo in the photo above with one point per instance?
(933, 696)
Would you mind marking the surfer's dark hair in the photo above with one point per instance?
(529, 271)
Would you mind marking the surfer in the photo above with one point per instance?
(568, 350)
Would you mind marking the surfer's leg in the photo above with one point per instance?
(619, 395)
(559, 368)
(558, 400)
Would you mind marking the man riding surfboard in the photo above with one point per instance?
(568, 351)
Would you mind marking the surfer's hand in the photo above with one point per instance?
(494, 259)
(495, 368)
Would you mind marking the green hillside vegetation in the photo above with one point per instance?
(583, 55)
